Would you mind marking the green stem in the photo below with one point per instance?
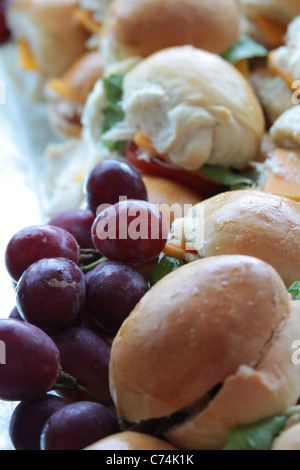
(90, 267)
(67, 382)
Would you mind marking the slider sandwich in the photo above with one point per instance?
(49, 39)
(67, 95)
(183, 114)
(270, 18)
(207, 350)
(244, 222)
(141, 27)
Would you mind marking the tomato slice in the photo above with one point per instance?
(157, 167)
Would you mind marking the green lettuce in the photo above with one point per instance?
(294, 290)
(112, 112)
(228, 177)
(244, 48)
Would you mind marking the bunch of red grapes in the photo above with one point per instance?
(76, 279)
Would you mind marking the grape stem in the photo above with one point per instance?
(70, 383)
(90, 267)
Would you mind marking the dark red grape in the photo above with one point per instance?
(32, 361)
(77, 426)
(37, 242)
(78, 222)
(130, 231)
(85, 355)
(113, 290)
(51, 293)
(109, 181)
(4, 29)
(29, 418)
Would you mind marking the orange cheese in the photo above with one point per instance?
(61, 87)
(287, 182)
(273, 30)
(178, 249)
(142, 141)
(86, 19)
(284, 74)
(25, 57)
(243, 67)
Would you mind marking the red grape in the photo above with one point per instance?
(51, 293)
(77, 426)
(4, 30)
(78, 222)
(109, 181)
(113, 290)
(85, 355)
(32, 361)
(14, 314)
(131, 231)
(37, 242)
(29, 418)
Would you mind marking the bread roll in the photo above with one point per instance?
(193, 108)
(48, 33)
(130, 440)
(224, 321)
(142, 27)
(253, 223)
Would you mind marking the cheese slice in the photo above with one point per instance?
(285, 75)
(142, 141)
(62, 88)
(284, 178)
(273, 30)
(243, 67)
(86, 19)
(25, 57)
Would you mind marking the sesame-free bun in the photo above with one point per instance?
(130, 440)
(193, 107)
(52, 35)
(225, 320)
(253, 223)
(67, 95)
(142, 27)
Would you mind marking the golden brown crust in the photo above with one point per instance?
(249, 396)
(257, 224)
(191, 331)
(141, 27)
(130, 440)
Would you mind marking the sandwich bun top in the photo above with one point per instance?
(253, 223)
(52, 37)
(193, 107)
(142, 27)
(192, 330)
(251, 395)
(130, 440)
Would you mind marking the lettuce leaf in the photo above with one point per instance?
(228, 177)
(244, 48)
(257, 436)
(113, 112)
(294, 290)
